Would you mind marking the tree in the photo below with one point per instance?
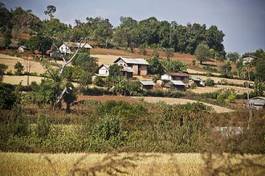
(174, 66)
(7, 96)
(3, 68)
(40, 43)
(226, 70)
(233, 56)
(19, 68)
(260, 70)
(202, 52)
(155, 66)
(50, 10)
(115, 70)
(5, 26)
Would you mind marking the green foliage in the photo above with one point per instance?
(233, 56)
(18, 124)
(19, 68)
(50, 11)
(5, 26)
(43, 126)
(209, 82)
(260, 69)
(126, 87)
(115, 70)
(3, 68)
(259, 88)
(40, 43)
(45, 93)
(7, 96)
(202, 52)
(226, 96)
(155, 66)
(99, 81)
(226, 70)
(173, 65)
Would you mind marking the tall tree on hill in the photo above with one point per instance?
(125, 34)
(202, 52)
(5, 26)
(50, 10)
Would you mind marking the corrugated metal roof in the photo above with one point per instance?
(105, 65)
(138, 61)
(77, 44)
(147, 82)
(258, 101)
(180, 74)
(178, 83)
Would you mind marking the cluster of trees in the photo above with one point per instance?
(130, 33)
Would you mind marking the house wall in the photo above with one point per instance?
(122, 63)
(166, 77)
(135, 69)
(143, 70)
(103, 71)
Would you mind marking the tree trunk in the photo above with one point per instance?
(68, 110)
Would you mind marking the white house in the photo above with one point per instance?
(65, 49)
(103, 70)
(138, 65)
(248, 59)
(69, 47)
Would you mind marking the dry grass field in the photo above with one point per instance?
(15, 80)
(10, 61)
(171, 101)
(147, 164)
(229, 81)
(238, 90)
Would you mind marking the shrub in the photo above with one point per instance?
(209, 82)
(99, 81)
(43, 126)
(7, 96)
(19, 68)
(226, 96)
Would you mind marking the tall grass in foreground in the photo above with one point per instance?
(21, 164)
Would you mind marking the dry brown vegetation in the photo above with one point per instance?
(130, 164)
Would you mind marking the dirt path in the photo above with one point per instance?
(181, 101)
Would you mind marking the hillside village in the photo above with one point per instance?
(146, 97)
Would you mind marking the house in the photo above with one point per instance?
(257, 103)
(103, 70)
(199, 82)
(65, 49)
(21, 49)
(176, 84)
(138, 66)
(70, 47)
(182, 76)
(248, 59)
(147, 84)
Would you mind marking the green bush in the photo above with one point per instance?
(43, 126)
(7, 96)
(209, 82)
(99, 81)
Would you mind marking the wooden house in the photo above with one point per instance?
(147, 84)
(138, 66)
